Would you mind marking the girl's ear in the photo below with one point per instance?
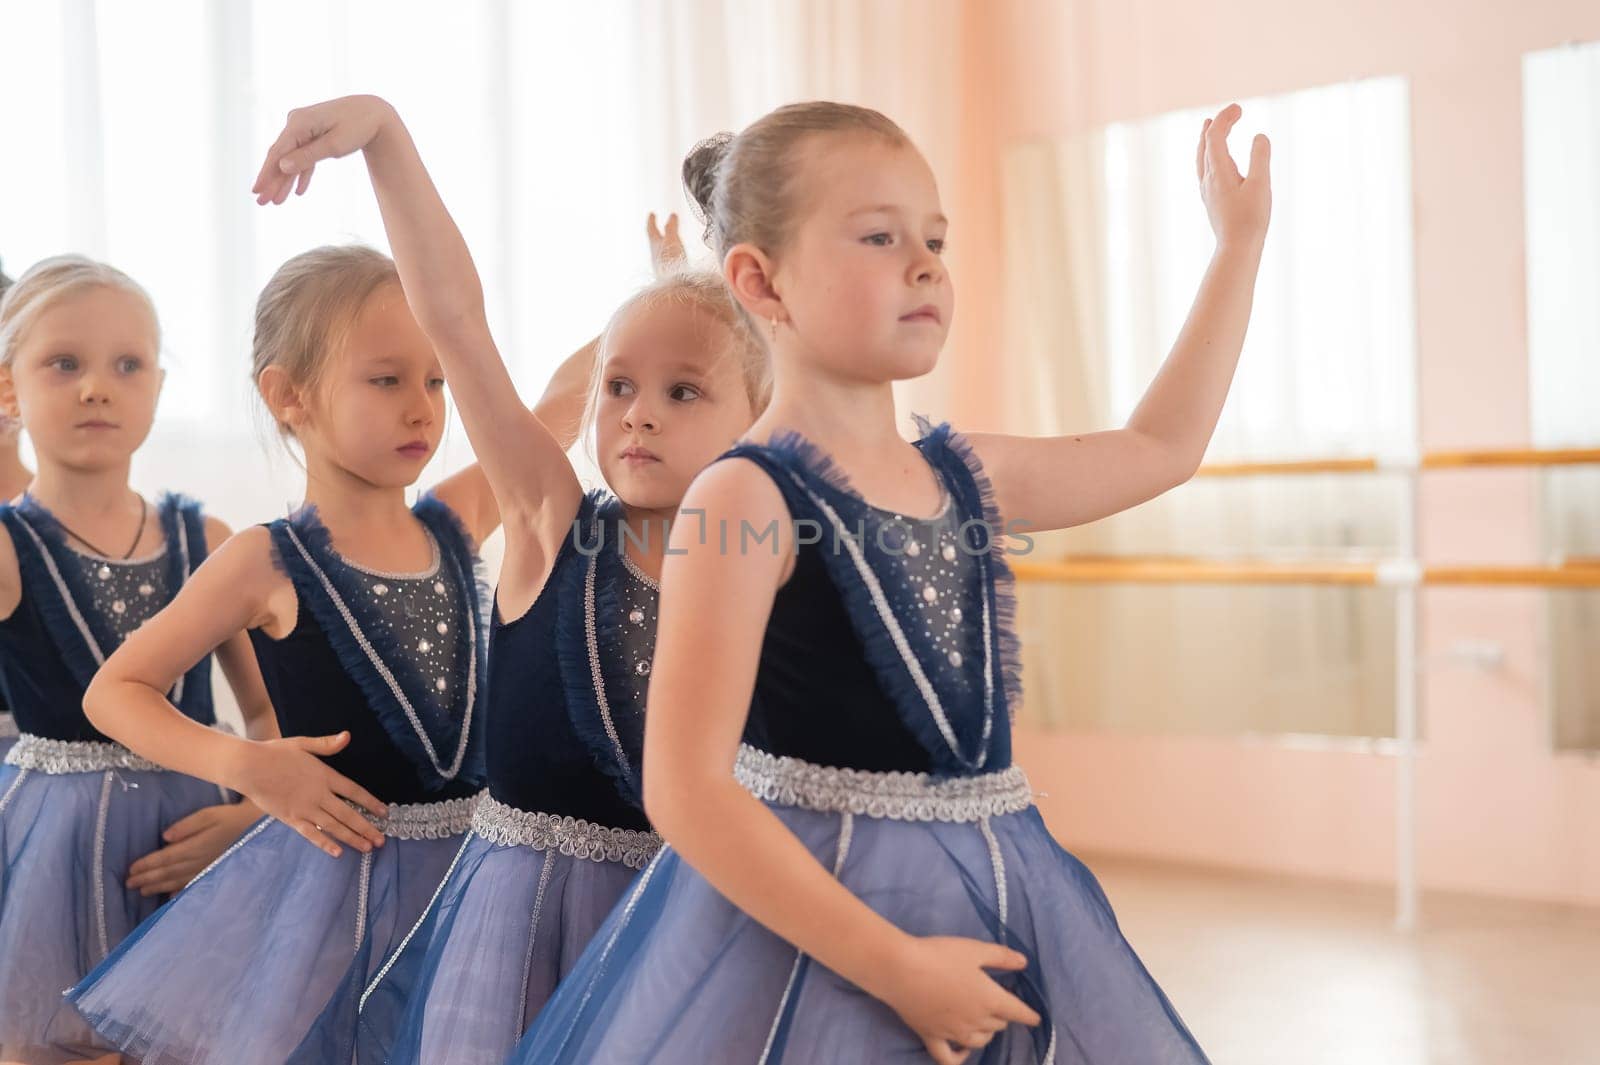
(8, 395)
(748, 272)
(283, 397)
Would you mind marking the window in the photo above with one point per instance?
(1561, 131)
(1113, 235)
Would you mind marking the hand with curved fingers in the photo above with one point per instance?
(1237, 205)
(940, 989)
(666, 246)
(328, 130)
(288, 780)
(192, 843)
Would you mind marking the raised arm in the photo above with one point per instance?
(1056, 482)
(234, 590)
(561, 406)
(714, 607)
(525, 464)
(560, 409)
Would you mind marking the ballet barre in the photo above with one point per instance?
(1409, 462)
(1406, 574)
(1177, 569)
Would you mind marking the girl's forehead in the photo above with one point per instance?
(97, 301)
(100, 313)
(851, 174)
(666, 335)
(384, 327)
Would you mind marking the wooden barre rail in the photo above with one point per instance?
(1107, 570)
(1438, 460)
(1458, 460)
(1538, 576)
(1288, 466)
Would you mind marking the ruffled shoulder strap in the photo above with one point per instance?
(183, 526)
(602, 707)
(458, 551)
(440, 747)
(587, 526)
(800, 470)
(983, 526)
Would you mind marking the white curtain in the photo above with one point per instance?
(1561, 131)
(1106, 241)
(145, 125)
(134, 131)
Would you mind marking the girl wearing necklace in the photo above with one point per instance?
(84, 560)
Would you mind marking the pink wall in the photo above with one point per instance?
(1499, 813)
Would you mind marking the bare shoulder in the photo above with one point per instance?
(247, 557)
(734, 511)
(996, 450)
(10, 574)
(217, 532)
(736, 484)
(245, 567)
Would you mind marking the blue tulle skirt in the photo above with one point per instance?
(66, 842)
(263, 958)
(509, 923)
(678, 975)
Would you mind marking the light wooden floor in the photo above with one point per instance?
(1279, 971)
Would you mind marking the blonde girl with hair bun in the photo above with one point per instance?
(855, 871)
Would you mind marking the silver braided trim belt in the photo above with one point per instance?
(74, 756)
(424, 820)
(8, 727)
(895, 796)
(574, 837)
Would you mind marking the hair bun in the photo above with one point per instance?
(700, 169)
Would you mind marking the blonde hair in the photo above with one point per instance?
(306, 310)
(9, 426)
(745, 186)
(704, 291)
(48, 282)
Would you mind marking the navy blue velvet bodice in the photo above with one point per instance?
(831, 716)
(406, 745)
(55, 640)
(910, 684)
(549, 748)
